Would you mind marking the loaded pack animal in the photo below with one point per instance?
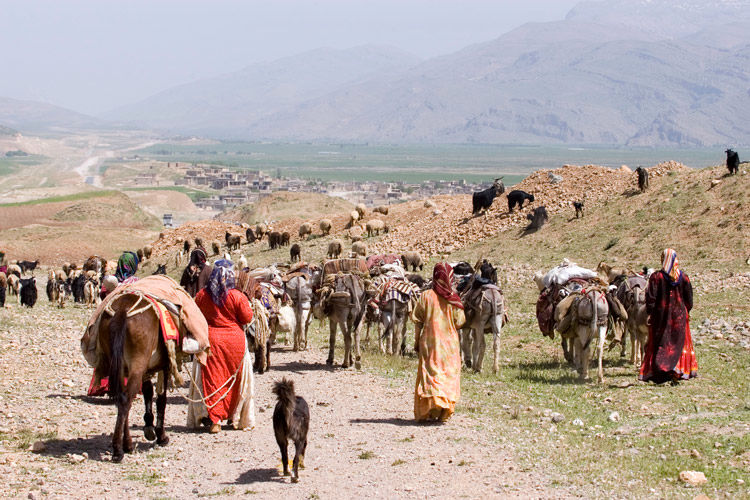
(581, 318)
(27, 266)
(291, 420)
(395, 306)
(642, 178)
(300, 291)
(537, 218)
(128, 343)
(578, 205)
(28, 292)
(232, 240)
(485, 309)
(294, 253)
(482, 200)
(413, 259)
(517, 197)
(342, 299)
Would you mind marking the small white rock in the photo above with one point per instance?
(614, 417)
(578, 422)
(693, 478)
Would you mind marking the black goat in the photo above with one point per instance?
(28, 292)
(77, 286)
(517, 197)
(27, 265)
(274, 240)
(483, 199)
(733, 161)
(294, 252)
(578, 205)
(291, 419)
(642, 178)
(538, 217)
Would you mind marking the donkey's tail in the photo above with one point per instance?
(117, 326)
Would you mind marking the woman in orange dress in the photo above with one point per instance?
(669, 351)
(226, 310)
(437, 317)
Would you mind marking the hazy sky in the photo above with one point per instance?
(94, 55)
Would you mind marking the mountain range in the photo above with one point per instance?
(613, 72)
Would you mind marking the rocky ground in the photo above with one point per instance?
(362, 438)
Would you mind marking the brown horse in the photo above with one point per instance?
(131, 346)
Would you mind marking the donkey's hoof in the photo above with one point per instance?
(117, 457)
(329, 361)
(163, 441)
(149, 433)
(345, 365)
(358, 365)
(295, 479)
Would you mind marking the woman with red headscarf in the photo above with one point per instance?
(437, 317)
(669, 298)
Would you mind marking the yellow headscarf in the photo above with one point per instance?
(670, 264)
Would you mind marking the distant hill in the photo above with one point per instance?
(625, 72)
(33, 116)
(286, 205)
(6, 131)
(226, 105)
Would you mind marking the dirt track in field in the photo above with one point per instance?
(362, 438)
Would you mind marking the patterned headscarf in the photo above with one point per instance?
(670, 265)
(127, 265)
(221, 281)
(442, 283)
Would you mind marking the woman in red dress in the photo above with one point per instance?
(226, 310)
(669, 352)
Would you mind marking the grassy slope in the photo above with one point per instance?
(643, 453)
(73, 227)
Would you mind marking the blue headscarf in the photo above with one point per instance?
(221, 281)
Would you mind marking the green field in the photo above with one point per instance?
(13, 164)
(416, 163)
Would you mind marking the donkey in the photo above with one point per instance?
(486, 314)
(345, 308)
(393, 316)
(132, 346)
(632, 294)
(592, 311)
(300, 291)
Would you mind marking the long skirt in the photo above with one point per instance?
(242, 415)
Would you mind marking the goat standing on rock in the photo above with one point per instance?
(482, 200)
(517, 197)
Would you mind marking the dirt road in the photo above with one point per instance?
(362, 438)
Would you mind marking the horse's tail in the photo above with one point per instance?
(493, 302)
(117, 327)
